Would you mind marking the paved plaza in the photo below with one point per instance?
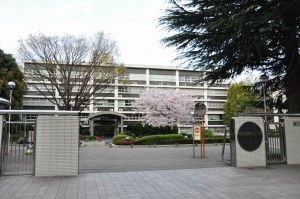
(159, 173)
(145, 158)
(277, 181)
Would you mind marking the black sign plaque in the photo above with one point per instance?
(249, 136)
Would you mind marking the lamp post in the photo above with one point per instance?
(72, 103)
(264, 78)
(11, 85)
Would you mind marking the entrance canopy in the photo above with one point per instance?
(106, 123)
(111, 114)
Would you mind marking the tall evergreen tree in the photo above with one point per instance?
(10, 71)
(228, 37)
(239, 99)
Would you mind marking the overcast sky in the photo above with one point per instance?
(131, 23)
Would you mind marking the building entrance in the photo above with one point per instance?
(106, 123)
(104, 131)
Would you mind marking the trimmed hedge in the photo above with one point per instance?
(128, 133)
(162, 139)
(210, 140)
(125, 142)
(116, 138)
(215, 140)
(88, 138)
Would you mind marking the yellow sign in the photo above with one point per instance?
(197, 132)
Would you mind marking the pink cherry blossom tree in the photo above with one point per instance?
(165, 107)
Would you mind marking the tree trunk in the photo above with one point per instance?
(292, 81)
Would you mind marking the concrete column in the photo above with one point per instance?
(147, 77)
(122, 129)
(91, 126)
(57, 146)
(249, 142)
(177, 78)
(292, 137)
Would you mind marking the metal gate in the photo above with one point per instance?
(275, 143)
(17, 148)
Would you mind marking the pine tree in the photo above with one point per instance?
(229, 37)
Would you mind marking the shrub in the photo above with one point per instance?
(124, 141)
(139, 130)
(88, 138)
(23, 140)
(217, 136)
(14, 138)
(128, 133)
(174, 129)
(215, 140)
(208, 133)
(209, 140)
(162, 139)
(116, 138)
(184, 134)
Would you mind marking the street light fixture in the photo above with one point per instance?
(72, 103)
(11, 85)
(264, 78)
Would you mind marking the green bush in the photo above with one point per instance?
(125, 141)
(128, 133)
(184, 134)
(215, 140)
(208, 133)
(217, 136)
(116, 138)
(88, 138)
(142, 130)
(174, 129)
(14, 138)
(162, 139)
(22, 140)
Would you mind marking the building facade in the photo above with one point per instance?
(119, 96)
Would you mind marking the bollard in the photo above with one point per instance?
(131, 145)
(154, 145)
(110, 145)
(176, 145)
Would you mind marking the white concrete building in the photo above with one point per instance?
(118, 97)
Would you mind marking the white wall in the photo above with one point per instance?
(57, 146)
(292, 139)
(254, 158)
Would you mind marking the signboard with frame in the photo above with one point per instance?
(197, 132)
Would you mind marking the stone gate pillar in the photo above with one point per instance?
(249, 138)
(292, 138)
(57, 146)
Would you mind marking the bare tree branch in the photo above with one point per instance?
(70, 68)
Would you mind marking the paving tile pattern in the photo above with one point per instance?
(277, 181)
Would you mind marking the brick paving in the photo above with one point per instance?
(162, 172)
(277, 181)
